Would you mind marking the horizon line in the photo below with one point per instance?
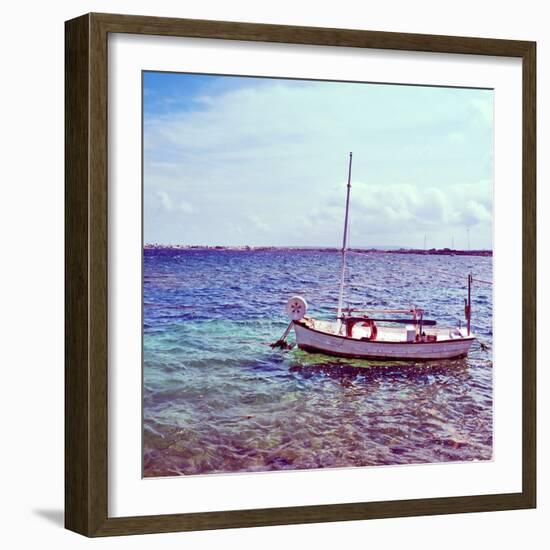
(316, 247)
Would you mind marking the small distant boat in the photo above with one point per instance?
(397, 334)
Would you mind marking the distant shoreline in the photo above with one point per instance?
(430, 252)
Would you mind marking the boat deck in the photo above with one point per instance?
(387, 333)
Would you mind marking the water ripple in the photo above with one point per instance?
(217, 398)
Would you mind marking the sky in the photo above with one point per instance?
(237, 161)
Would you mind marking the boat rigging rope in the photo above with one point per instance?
(455, 276)
(318, 293)
(281, 342)
(358, 286)
(482, 281)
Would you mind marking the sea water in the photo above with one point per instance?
(217, 398)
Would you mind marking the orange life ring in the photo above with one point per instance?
(350, 323)
(373, 329)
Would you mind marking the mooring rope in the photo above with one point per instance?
(281, 342)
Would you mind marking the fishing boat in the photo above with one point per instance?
(396, 334)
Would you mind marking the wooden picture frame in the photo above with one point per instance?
(86, 283)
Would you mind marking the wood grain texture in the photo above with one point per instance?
(86, 259)
(164, 26)
(529, 276)
(77, 388)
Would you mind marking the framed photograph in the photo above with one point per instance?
(300, 274)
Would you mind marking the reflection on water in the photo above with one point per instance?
(314, 364)
(218, 399)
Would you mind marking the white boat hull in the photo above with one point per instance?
(318, 341)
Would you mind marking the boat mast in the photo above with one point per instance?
(344, 245)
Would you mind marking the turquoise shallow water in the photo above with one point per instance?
(217, 398)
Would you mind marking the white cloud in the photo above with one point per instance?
(457, 138)
(393, 210)
(474, 213)
(165, 200)
(168, 204)
(258, 223)
(186, 207)
(484, 108)
(268, 163)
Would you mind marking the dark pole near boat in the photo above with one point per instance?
(344, 243)
(468, 304)
(469, 301)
